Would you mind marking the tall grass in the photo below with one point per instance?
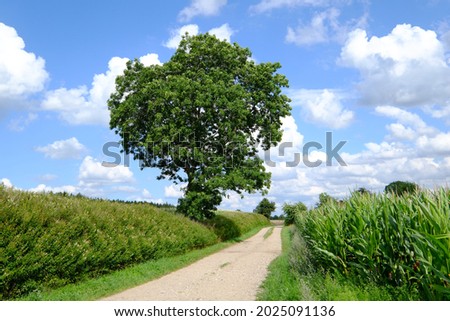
(401, 241)
(49, 240)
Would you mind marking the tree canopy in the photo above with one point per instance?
(401, 188)
(201, 118)
(265, 207)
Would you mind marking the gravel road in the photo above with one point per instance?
(234, 273)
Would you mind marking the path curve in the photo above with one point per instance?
(233, 274)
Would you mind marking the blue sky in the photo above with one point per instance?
(374, 73)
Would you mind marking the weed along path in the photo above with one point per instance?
(234, 273)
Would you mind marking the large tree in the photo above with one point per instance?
(265, 207)
(200, 118)
(401, 188)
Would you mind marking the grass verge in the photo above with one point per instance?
(103, 286)
(281, 284)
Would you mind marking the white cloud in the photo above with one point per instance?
(400, 132)
(174, 191)
(176, 35)
(224, 32)
(322, 107)
(63, 149)
(425, 140)
(324, 27)
(317, 31)
(92, 173)
(413, 151)
(6, 182)
(83, 106)
(21, 72)
(416, 125)
(150, 59)
(405, 68)
(41, 188)
(201, 8)
(146, 196)
(269, 5)
(277, 158)
(234, 201)
(439, 144)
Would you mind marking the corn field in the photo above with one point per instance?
(402, 241)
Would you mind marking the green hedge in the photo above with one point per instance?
(229, 225)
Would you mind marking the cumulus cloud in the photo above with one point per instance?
(21, 72)
(224, 32)
(235, 201)
(177, 34)
(412, 151)
(323, 107)
(92, 173)
(63, 149)
(201, 8)
(150, 59)
(83, 106)
(438, 144)
(406, 68)
(174, 191)
(409, 124)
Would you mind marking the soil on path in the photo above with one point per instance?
(234, 273)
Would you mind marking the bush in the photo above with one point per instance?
(291, 210)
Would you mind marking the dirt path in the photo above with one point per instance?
(234, 273)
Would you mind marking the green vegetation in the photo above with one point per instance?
(389, 240)
(48, 240)
(293, 278)
(282, 283)
(117, 281)
(401, 188)
(325, 199)
(291, 210)
(265, 207)
(369, 247)
(230, 225)
(201, 118)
